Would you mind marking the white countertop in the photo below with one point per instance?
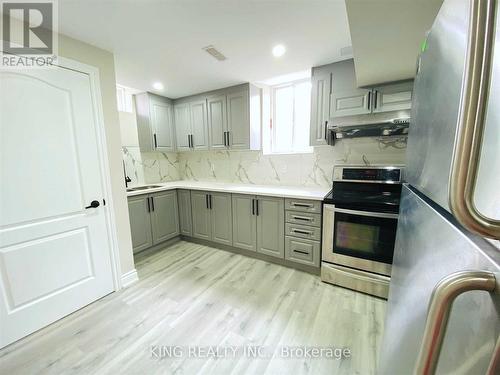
(297, 192)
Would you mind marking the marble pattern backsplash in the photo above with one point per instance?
(252, 167)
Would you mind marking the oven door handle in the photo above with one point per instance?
(367, 213)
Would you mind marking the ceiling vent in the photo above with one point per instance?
(212, 51)
(346, 51)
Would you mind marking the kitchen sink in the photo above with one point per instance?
(143, 187)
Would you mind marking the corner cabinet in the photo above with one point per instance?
(153, 219)
(155, 122)
(185, 219)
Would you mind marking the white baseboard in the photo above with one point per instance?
(129, 278)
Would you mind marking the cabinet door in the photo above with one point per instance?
(185, 220)
(164, 216)
(244, 222)
(144, 128)
(140, 222)
(217, 124)
(271, 226)
(182, 126)
(200, 215)
(221, 218)
(350, 102)
(238, 120)
(395, 97)
(162, 121)
(199, 129)
(320, 106)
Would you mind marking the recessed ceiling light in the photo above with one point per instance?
(279, 50)
(158, 86)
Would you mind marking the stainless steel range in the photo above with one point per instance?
(360, 218)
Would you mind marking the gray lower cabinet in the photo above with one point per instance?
(164, 216)
(140, 222)
(302, 251)
(259, 224)
(185, 217)
(153, 219)
(221, 218)
(270, 212)
(200, 215)
(244, 222)
(212, 216)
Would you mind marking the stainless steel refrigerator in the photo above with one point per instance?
(444, 300)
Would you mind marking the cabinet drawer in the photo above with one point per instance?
(303, 205)
(302, 251)
(303, 231)
(303, 218)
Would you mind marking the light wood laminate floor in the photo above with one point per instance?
(193, 296)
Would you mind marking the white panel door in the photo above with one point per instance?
(54, 253)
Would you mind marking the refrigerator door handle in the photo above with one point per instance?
(467, 152)
(443, 295)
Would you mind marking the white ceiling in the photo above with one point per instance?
(162, 40)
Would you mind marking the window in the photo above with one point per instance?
(124, 99)
(290, 117)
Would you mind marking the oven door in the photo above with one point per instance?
(359, 239)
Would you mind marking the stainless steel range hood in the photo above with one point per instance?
(386, 124)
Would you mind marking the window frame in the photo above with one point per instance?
(272, 142)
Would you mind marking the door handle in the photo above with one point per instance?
(257, 207)
(375, 99)
(192, 142)
(253, 206)
(369, 99)
(443, 295)
(152, 204)
(154, 138)
(189, 141)
(227, 138)
(149, 205)
(225, 142)
(467, 152)
(206, 200)
(93, 204)
(326, 130)
(210, 200)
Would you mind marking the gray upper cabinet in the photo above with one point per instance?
(191, 125)
(320, 107)
(244, 222)
(228, 118)
(140, 222)
(335, 94)
(182, 126)
(350, 102)
(394, 97)
(201, 215)
(164, 216)
(271, 226)
(221, 218)
(238, 120)
(199, 129)
(155, 124)
(185, 218)
(217, 123)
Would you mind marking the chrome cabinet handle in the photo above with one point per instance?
(467, 152)
(443, 295)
